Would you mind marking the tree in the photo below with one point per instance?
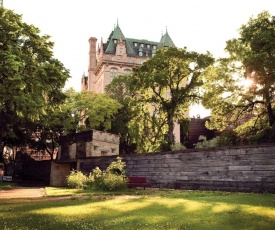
(170, 82)
(31, 79)
(251, 59)
(80, 111)
(121, 90)
(140, 126)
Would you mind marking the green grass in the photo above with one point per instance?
(139, 209)
(6, 185)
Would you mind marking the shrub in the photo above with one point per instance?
(226, 139)
(178, 146)
(77, 179)
(113, 178)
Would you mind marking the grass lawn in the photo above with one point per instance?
(139, 209)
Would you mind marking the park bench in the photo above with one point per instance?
(137, 181)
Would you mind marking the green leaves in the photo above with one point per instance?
(251, 57)
(171, 80)
(31, 79)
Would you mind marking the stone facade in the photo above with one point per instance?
(88, 144)
(81, 146)
(117, 56)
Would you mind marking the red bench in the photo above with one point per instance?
(137, 181)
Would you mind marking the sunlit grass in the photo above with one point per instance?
(139, 209)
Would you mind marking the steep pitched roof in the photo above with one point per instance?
(133, 45)
(166, 40)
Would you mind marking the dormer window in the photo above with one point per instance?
(140, 53)
(135, 44)
(154, 47)
(146, 54)
(148, 46)
(141, 45)
(115, 41)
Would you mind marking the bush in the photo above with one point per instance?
(226, 139)
(77, 179)
(113, 178)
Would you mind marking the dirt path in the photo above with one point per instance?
(27, 194)
(22, 192)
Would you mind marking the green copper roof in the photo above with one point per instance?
(133, 46)
(166, 41)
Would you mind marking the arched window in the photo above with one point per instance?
(113, 73)
(127, 71)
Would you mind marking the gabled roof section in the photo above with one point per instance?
(115, 35)
(133, 45)
(166, 41)
(118, 33)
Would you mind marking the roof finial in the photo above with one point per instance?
(166, 29)
(117, 22)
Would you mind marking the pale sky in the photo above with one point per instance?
(200, 25)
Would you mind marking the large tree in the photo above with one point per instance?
(31, 79)
(80, 111)
(139, 124)
(170, 81)
(251, 59)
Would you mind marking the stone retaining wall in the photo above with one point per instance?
(245, 169)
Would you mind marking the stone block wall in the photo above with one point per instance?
(92, 143)
(246, 169)
(59, 173)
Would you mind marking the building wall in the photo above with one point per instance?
(245, 169)
(59, 173)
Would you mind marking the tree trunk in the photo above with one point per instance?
(170, 129)
(271, 119)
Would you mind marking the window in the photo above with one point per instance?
(115, 41)
(148, 46)
(154, 47)
(146, 54)
(140, 53)
(113, 73)
(129, 61)
(141, 45)
(135, 44)
(120, 51)
(127, 71)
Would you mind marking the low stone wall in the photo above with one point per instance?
(245, 169)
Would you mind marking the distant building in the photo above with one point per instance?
(118, 56)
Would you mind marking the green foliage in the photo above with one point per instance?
(248, 109)
(31, 79)
(113, 178)
(226, 139)
(90, 109)
(77, 179)
(169, 81)
(178, 146)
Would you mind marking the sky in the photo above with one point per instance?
(199, 25)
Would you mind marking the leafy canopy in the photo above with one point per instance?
(31, 79)
(250, 107)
